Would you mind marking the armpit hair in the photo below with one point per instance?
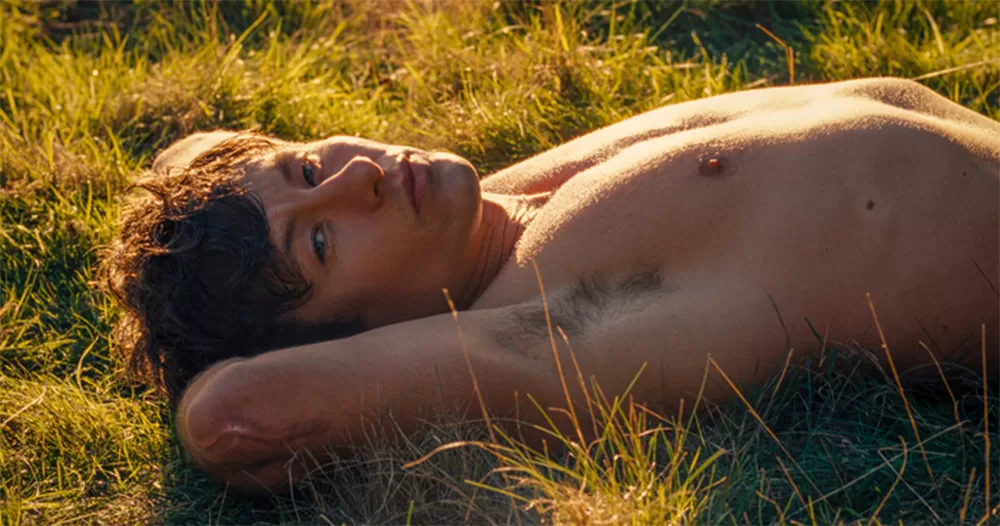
(589, 304)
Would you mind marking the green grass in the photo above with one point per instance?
(89, 93)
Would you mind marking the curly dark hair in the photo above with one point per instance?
(198, 276)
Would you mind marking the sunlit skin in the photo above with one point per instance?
(764, 215)
(344, 210)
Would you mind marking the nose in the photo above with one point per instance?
(357, 187)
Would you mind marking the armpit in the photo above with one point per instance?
(592, 304)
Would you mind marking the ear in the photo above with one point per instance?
(182, 152)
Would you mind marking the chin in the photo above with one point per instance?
(456, 179)
(459, 196)
(454, 165)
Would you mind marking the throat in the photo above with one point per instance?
(521, 215)
(505, 219)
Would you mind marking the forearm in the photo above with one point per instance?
(244, 420)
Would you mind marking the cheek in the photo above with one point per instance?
(381, 250)
(398, 263)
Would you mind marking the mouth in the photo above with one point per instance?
(408, 182)
(414, 181)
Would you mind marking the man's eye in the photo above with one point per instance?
(308, 173)
(319, 244)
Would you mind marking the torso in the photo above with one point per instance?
(798, 201)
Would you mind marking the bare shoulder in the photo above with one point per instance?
(857, 99)
(549, 170)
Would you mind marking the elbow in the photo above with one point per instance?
(206, 419)
(210, 422)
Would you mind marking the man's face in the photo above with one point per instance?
(377, 230)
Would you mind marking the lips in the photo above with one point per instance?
(406, 174)
(420, 175)
(414, 182)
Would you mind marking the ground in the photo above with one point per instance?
(90, 91)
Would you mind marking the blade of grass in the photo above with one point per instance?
(902, 469)
(986, 426)
(900, 390)
(552, 338)
(760, 421)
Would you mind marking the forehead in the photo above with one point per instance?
(180, 154)
(219, 148)
(264, 172)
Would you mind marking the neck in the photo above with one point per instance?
(505, 217)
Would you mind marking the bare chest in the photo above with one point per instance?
(763, 201)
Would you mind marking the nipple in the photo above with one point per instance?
(715, 165)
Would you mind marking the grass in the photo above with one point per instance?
(90, 91)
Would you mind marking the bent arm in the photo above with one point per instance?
(244, 419)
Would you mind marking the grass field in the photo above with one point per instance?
(89, 92)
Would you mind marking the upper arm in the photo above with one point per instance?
(251, 415)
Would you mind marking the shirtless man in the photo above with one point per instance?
(674, 235)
